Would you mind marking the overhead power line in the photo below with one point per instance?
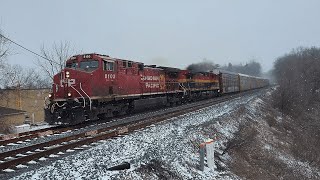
(51, 61)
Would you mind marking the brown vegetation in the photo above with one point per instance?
(298, 95)
(266, 146)
(298, 75)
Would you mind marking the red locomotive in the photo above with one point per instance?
(98, 86)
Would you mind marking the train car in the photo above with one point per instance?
(171, 79)
(246, 82)
(185, 85)
(202, 84)
(175, 93)
(237, 82)
(262, 82)
(229, 82)
(251, 82)
(265, 83)
(203, 81)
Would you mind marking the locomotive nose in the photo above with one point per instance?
(71, 83)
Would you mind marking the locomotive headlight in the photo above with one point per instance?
(69, 94)
(67, 74)
(50, 95)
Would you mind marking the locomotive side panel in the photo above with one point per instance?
(171, 76)
(129, 78)
(185, 81)
(206, 81)
(105, 80)
(201, 81)
(153, 81)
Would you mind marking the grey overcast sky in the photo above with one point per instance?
(166, 32)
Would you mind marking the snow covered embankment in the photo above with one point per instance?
(264, 145)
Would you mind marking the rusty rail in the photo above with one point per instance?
(12, 138)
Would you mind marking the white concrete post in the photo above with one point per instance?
(210, 153)
(33, 118)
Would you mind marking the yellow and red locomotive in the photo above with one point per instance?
(98, 86)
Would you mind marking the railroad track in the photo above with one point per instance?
(13, 158)
(14, 138)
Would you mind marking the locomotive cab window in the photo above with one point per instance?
(140, 66)
(72, 65)
(108, 66)
(124, 64)
(89, 65)
(129, 64)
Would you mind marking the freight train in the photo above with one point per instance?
(95, 86)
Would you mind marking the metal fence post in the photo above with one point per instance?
(202, 152)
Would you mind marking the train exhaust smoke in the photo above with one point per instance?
(204, 66)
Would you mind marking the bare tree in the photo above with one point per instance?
(4, 52)
(56, 57)
(12, 77)
(298, 74)
(16, 77)
(252, 68)
(4, 47)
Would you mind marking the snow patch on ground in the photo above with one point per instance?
(42, 159)
(299, 166)
(21, 166)
(53, 156)
(8, 170)
(32, 162)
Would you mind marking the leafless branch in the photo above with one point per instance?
(57, 56)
